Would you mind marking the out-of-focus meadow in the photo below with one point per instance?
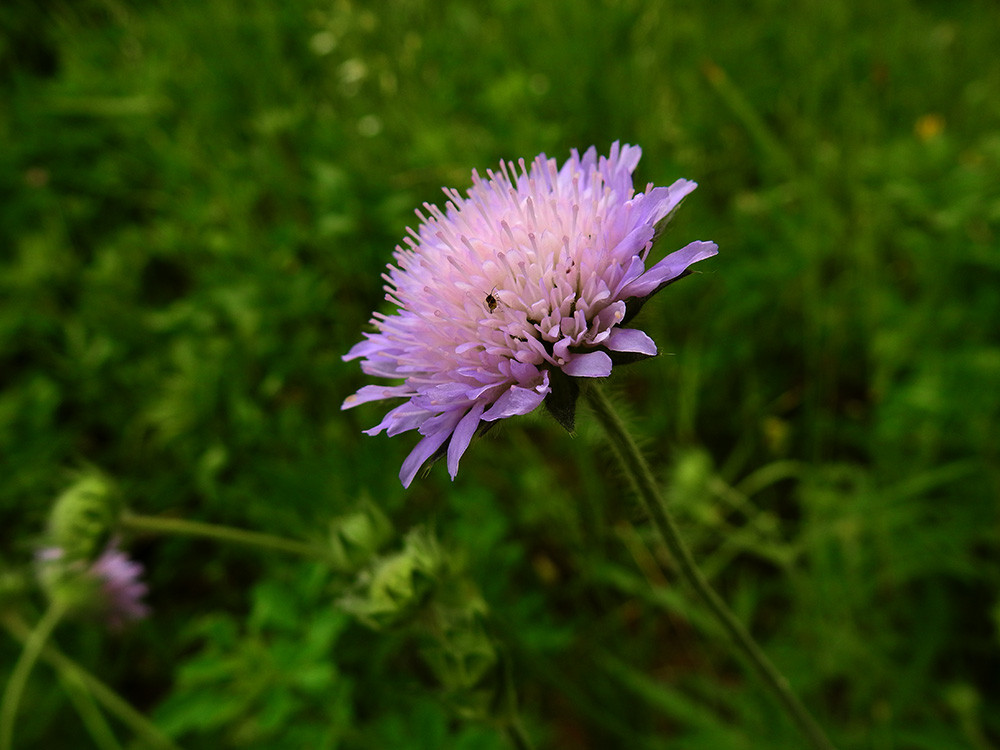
(196, 202)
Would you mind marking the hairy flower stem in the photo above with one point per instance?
(649, 495)
(33, 644)
(180, 526)
(114, 704)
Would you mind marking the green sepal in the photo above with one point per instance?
(561, 401)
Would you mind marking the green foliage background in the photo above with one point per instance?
(196, 201)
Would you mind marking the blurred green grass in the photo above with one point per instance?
(196, 201)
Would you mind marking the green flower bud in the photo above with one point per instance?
(357, 537)
(422, 587)
(84, 517)
(395, 588)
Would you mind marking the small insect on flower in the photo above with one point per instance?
(491, 301)
(563, 251)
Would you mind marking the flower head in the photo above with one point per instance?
(109, 587)
(122, 589)
(512, 291)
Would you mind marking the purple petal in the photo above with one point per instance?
(609, 316)
(376, 393)
(419, 455)
(404, 417)
(624, 158)
(560, 349)
(523, 372)
(634, 242)
(445, 393)
(636, 268)
(590, 365)
(514, 402)
(630, 340)
(666, 201)
(669, 268)
(462, 436)
(363, 348)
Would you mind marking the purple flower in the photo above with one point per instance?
(514, 290)
(122, 589)
(110, 586)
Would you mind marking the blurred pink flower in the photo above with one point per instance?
(514, 290)
(110, 586)
(121, 587)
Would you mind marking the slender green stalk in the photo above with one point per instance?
(649, 495)
(518, 737)
(514, 728)
(89, 713)
(112, 702)
(756, 126)
(512, 715)
(33, 644)
(180, 526)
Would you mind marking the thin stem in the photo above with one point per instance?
(151, 736)
(512, 716)
(649, 495)
(158, 525)
(518, 737)
(33, 644)
(89, 713)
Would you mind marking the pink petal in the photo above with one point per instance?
(514, 402)
(370, 346)
(670, 197)
(670, 268)
(590, 365)
(376, 393)
(462, 436)
(630, 340)
(419, 455)
(404, 417)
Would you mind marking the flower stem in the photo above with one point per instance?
(518, 737)
(158, 525)
(33, 644)
(512, 725)
(90, 714)
(649, 495)
(150, 735)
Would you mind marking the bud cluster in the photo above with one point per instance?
(82, 569)
(421, 588)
